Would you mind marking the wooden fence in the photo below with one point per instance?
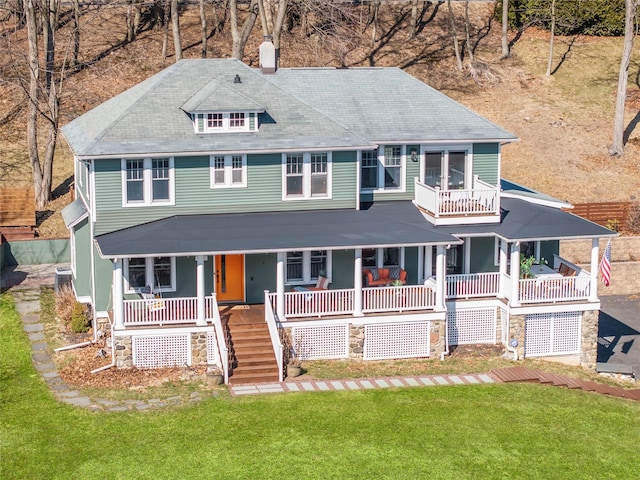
(17, 213)
(613, 215)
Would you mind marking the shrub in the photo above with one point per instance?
(595, 17)
(634, 218)
(65, 301)
(79, 319)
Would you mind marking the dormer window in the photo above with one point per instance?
(217, 122)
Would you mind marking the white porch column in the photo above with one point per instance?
(503, 263)
(280, 286)
(593, 291)
(421, 276)
(515, 274)
(118, 295)
(201, 320)
(428, 262)
(357, 284)
(441, 277)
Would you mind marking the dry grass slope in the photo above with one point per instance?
(564, 121)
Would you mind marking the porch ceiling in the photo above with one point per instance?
(382, 224)
(526, 221)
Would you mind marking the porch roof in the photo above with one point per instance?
(523, 220)
(379, 225)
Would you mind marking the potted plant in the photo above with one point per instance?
(525, 266)
(294, 364)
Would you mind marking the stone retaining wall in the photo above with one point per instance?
(625, 262)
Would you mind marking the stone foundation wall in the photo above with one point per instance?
(516, 330)
(199, 348)
(356, 341)
(437, 339)
(124, 353)
(589, 342)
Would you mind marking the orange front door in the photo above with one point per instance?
(230, 278)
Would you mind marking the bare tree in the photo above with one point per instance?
(467, 33)
(454, 33)
(203, 25)
(75, 4)
(42, 169)
(240, 35)
(166, 8)
(175, 28)
(617, 147)
(552, 33)
(505, 29)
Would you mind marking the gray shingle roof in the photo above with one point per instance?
(306, 109)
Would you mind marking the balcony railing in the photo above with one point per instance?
(473, 285)
(481, 200)
(551, 290)
(165, 311)
(324, 303)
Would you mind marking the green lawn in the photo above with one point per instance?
(488, 431)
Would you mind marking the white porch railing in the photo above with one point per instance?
(165, 311)
(566, 289)
(482, 199)
(398, 299)
(276, 342)
(320, 303)
(211, 305)
(473, 285)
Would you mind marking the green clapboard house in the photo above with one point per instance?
(238, 217)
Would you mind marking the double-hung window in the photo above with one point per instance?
(383, 257)
(159, 273)
(306, 175)
(228, 171)
(306, 267)
(383, 169)
(147, 181)
(527, 249)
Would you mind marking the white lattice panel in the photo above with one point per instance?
(400, 340)
(552, 334)
(213, 357)
(472, 326)
(317, 343)
(161, 351)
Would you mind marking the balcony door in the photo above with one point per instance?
(229, 276)
(445, 169)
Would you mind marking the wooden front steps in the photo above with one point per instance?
(522, 374)
(253, 359)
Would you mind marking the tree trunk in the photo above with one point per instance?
(203, 24)
(34, 79)
(617, 147)
(551, 36)
(374, 30)
(505, 29)
(76, 32)
(239, 37)
(467, 28)
(456, 46)
(414, 19)
(131, 32)
(49, 21)
(175, 26)
(165, 32)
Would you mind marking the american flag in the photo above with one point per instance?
(605, 266)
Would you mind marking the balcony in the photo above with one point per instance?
(481, 204)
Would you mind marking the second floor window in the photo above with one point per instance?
(147, 181)
(383, 169)
(306, 175)
(214, 120)
(236, 120)
(228, 171)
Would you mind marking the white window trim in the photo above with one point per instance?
(148, 183)
(445, 149)
(380, 258)
(381, 169)
(149, 276)
(306, 268)
(306, 178)
(72, 247)
(226, 122)
(228, 171)
(496, 251)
